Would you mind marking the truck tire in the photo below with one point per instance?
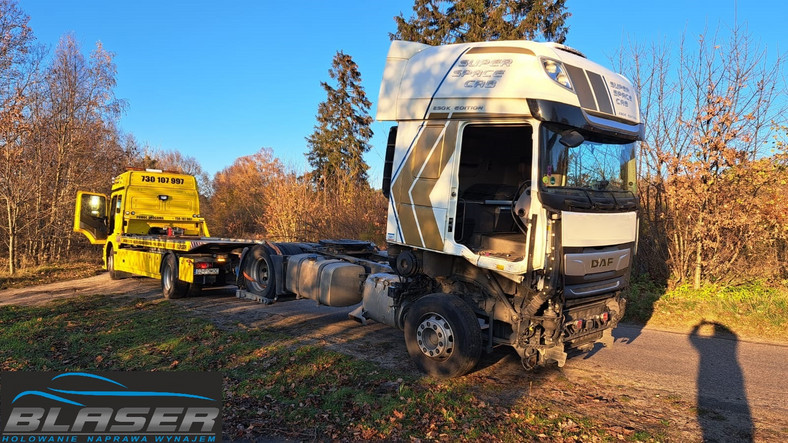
(113, 274)
(443, 336)
(257, 272)
(171, 286)
(111, 264)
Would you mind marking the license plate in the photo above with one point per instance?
(208, 271)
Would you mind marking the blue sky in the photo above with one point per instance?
(219, 80)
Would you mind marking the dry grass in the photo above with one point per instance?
(49, 274)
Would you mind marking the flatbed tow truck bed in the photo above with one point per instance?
(191, 244)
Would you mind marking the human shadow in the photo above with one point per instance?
(722, 407)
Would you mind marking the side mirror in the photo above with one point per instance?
(571, 138)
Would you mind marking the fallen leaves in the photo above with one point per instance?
(275, 386)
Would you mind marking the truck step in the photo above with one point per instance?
(240, 293)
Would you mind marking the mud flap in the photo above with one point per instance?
(556, 354)
(240, 293)
(239, 279)
(278, 262)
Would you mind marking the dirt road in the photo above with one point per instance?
(705, 384)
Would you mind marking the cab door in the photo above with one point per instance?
(90, 216)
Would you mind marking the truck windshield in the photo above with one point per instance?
(594, 173)
(597, 164)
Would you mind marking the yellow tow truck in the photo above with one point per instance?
(150, 225)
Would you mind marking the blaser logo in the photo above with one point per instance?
(160, 420)
(115, 411)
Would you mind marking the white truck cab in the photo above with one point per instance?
(511, 173)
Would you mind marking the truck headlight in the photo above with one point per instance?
(556, 71)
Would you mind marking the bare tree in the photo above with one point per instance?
(710, 113)
(19, 59)
(78, 117)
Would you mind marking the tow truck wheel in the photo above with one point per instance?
(111, 264)
(258, 272)
(113, 274)
(171, 286)
(443, 336)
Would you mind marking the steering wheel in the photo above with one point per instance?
(521, 204)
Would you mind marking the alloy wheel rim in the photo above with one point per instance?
(435, 337)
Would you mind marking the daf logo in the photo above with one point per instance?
(601, 263)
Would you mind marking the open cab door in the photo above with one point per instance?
(90, 217)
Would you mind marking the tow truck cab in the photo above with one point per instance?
(142, 202)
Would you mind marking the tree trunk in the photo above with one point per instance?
(698, 264)
(11, 239)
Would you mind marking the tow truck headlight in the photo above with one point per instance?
(556, 71)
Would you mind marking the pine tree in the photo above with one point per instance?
(342, 133)
(456, 21)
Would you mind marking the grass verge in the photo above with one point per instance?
(753, 310)
(274, 386)
(50, 274)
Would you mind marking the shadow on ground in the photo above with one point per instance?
(717, 348)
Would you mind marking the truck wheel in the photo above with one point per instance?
(443, 336)
(258, 272)
(111, 264)
(171, 286)
(113, 274)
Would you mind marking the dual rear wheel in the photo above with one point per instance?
(257, 272)
(171, 285)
